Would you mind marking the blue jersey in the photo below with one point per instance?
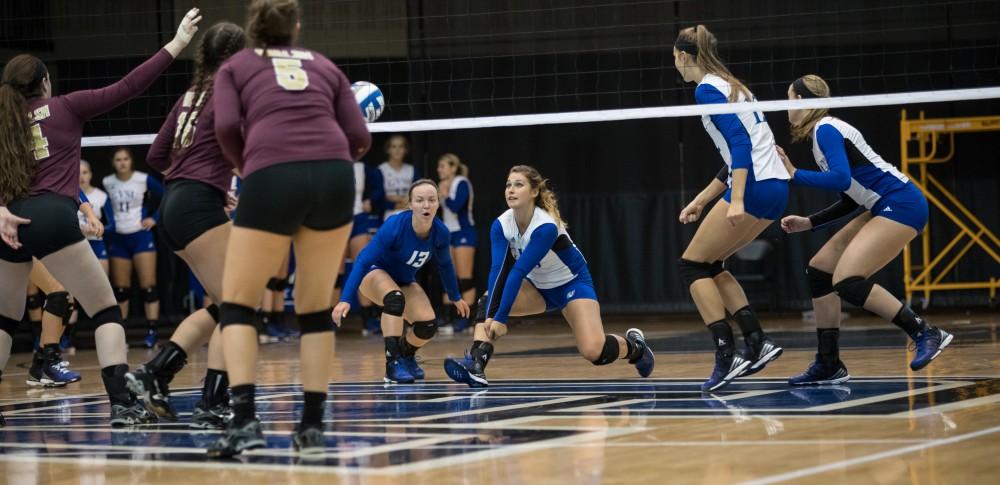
(458, 206)
(397, 250)
(544, 254)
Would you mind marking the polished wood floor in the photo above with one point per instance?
(552, 417)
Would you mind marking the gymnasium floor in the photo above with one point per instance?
(551, 417)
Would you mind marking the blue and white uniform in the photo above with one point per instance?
(396, 183)
(98, 199)
(745, 141)
(367, 186)
(544, 254)
(457, 213)
(125, 235)
(398, 250)
(850, 166)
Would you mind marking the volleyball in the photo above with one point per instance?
(369, 98)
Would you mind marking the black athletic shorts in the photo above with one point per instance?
(318, 194)
(188, 210)
(54, 226)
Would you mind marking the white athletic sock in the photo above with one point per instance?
(111, 346)
(5, 343)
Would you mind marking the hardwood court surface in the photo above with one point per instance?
(551, 417)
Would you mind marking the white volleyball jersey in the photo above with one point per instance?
(97, 199)
(871, 176)
(456, 221)
(126, 198)
(359, 186)
(552, 271)
(396, 182)
(766, 163)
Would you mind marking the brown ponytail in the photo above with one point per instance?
(453, 160)
(707, 58)
(817, 88)
(221, 41)
(272, 22)
(21, 80)
(546, 197)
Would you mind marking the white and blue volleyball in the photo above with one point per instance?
(369, 98)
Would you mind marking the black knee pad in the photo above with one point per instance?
(481, 303)
(35, 301)
(692, 271)
(820, 282)
(425, 330)
(233, 314)
(854, 290)
(610, 351)
(151, 294)
(466, 284)
(111, 314)
(57, 303)
(8, 325)
(321, 321)
(393, 303)
(341, 279)
(717, 268)
(121, 293)
(213, 310)
(277, 284)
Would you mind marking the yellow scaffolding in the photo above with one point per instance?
(926, 275)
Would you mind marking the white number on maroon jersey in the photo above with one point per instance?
(41, 149)
(290, 75)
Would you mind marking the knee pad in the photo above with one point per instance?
(111, 314)
(393, 303)
(8, 325)
(35, 301)
(692, 271)
(121, 293)
(213, 310)
(820, 282)
(466, 284)
(57, 303)
(234, 314)
(151, 294)
(425, 330)
(277, 284)
(609, 353)
(321, 321)
(480, 315)
(717, 268)
(854, 290)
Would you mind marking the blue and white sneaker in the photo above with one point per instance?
(821, 375)
(46, 371)
(759, 353)
(273, 333)
(151, 338)
(373, 327)
(465, 371)
(726, 369)
(645, 363)
(397, 372)
(929, 345)
(413, 367)
(71, 374)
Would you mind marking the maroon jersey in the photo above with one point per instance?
(286, 105)
(199, 156)
(57, 125)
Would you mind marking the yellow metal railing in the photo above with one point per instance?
(927, 274)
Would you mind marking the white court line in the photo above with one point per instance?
(837, 465)
(511, 407)
(894, 395)
(765, 442)
(629, 402)
(953, 406)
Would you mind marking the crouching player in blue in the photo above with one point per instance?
(895, 212)
(385, 273)
(536, 268)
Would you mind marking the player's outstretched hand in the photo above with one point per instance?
(185, 32)
(792, 224)
(340, 312)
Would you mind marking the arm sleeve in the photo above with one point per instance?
(158, 156)
(841, 208)
(542, 239)
(109, 217)
(729, 125)
(89, 103)
(499, 252)
(378, 245)
(226, 102)
(831, 143)
(154, 187)
(375, 186)
(442, 254)
(461, 195)
(723, 174)
(349, 118)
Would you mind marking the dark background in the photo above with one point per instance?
(621, 184)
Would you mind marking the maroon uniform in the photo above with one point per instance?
(285, 105)
(199, 159)
(57, 125)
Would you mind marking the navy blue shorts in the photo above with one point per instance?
(464, 237)
(905, 206)
(764, 199)
(579, 288)
(99, 248)
(126, 246)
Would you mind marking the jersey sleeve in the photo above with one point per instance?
(375, 189)
(841, 208)
(499, 255)
(461, 196)
(838, 178)
(349, 117)
(369, 255)
(154, 187)
(226, 101)
(542, 239)
(158, 156)
(83, 198)
(442, 254)
(729, 125)
(89, 103)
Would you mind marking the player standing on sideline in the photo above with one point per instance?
(456, 193)
(99, 202)
(287, 118)
(754, 197)
(39, 187)
(367, 187)
(895, 212)
(131, 238)
(397, 175)
(536, 268)
(196, 227)
(386, 273)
